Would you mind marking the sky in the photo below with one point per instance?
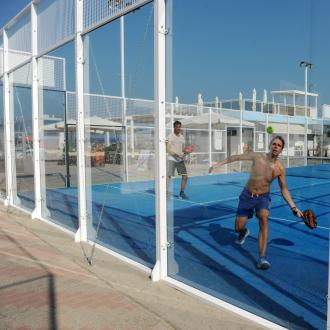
(219, 48)
(9, 8)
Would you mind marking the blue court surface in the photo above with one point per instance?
(292, 292)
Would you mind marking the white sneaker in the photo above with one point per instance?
(242, 236)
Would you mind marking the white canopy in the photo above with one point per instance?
(95, 123)
(216, 118)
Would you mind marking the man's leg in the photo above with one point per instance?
(181, 168)
(168, 179)
(240, 223)
(184, 182)
(263, 238)
(240, 228)
(263, 231)
(170, 173)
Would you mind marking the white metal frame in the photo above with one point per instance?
(37, 135)
(86, 232)
(83, 231)
(10, 171)
(160, 269)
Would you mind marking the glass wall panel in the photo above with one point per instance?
(21, 110)
(57, 108)
(227, 56)
(2, 145)
(119, 132)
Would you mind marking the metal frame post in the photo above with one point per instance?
(306, 142)
(84, 222)
(210, 136)
(9, 134)
(307, 66)
(123, 95)
(160, 269)
(288, 143)
(37, 132)
(266, 133)
(241, 130)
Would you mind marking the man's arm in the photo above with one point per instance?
(286, 194)
(232, 159)
(170, 151)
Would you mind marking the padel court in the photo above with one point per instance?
(202, 250)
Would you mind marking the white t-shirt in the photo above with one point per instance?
(175, 143)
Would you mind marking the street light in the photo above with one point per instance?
(307, 66)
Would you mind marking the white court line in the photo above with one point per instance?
(178, 199)
(301, 222)
(223, 199)
(234, 198)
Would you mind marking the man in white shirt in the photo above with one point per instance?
(175, 146)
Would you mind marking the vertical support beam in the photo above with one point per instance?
(322, 137)
(172, 115)
(160, 268)
(266, 134)
(306, 141)
(123, 95)
(82, 233)
(306, 65)
(37, 135)
(9, 127)
(328, 297)
(288, 142)
(241, 135)
(306, 88)
(306, 122)
(66, 139)
(210, 136)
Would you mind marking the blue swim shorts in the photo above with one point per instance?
(248, 203)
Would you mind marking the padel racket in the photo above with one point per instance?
(310, 219)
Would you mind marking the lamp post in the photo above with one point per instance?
(307, 66)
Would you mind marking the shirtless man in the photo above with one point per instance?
(256, 194)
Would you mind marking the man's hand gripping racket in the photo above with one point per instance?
(308, 217)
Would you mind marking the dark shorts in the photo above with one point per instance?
(179, 166)
(248, 203)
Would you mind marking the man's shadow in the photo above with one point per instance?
(226, 237)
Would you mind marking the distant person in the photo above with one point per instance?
(175, 147)
(256, 194)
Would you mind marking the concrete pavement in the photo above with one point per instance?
(45, 283)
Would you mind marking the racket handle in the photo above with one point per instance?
(210, 169)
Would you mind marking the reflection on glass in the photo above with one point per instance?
(21, 108)
(58, 136)
(119, 135)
